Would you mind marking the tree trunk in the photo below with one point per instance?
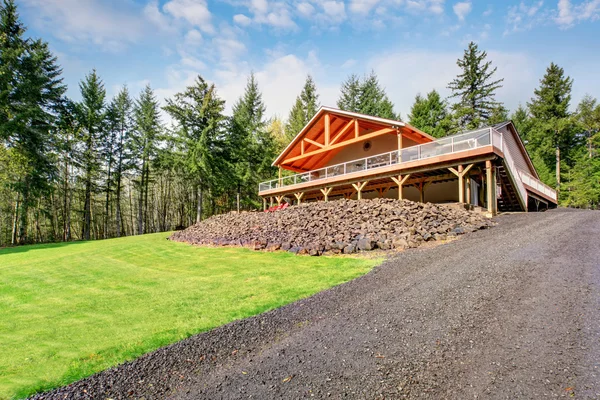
(107, 201)
(13, 239)
(238, 198)
(24, 216)
(557, 168)
(199, 204)
(87, 208)
(141, 200)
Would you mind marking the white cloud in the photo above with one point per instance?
(523, 17)
(92, 21)
(242, 20)
(488, 12)
(305, 9)
(335, 10)
(348, 63)
(194, 12)
(193, 37)
(569, 14)
(433, 6)
(229, 48)
(362, 7)
(462, 9)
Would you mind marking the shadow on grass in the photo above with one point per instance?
(42, 246)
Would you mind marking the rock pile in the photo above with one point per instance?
(344, 226)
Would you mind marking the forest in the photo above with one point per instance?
(104, 167)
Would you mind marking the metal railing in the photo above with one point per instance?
(536, 184)
(513, 171)
(449, 145)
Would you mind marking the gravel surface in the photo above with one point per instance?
(510, 312)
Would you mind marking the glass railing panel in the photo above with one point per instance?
(410, 154)
(377, 161)
(355, 166)
(335, 170)
(394, 157)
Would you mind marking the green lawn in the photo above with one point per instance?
(69, 310)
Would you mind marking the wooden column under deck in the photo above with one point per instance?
(279, 199)
(264, 204)
(359, 186)
(400, 182)
(460, 172)
(326, 192)
(299, 196)
(491, 188)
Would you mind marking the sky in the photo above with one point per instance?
(412, 45)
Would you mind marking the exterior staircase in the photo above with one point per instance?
(509, 200)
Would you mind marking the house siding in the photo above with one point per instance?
(510, 141)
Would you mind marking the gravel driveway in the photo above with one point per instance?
(510, 312)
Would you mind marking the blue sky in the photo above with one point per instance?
(411, 44)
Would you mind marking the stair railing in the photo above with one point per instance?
(512, 170)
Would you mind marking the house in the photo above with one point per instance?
(341, 154)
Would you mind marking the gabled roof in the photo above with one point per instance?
(314, 131)
(511, 126)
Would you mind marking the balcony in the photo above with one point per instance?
(449, 145)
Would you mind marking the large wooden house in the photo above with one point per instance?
(341, 154)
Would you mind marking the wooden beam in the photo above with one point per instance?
(314, 143)
(356, 129)
(299, 196)
(326, 192)
(342, 132)
(461, 185)
(399, 145)
(400, 181)
(491, 188)
(371, 135)
(302, 147)
(264, 204)
(279, 199)
(327, 128)
(359, 186)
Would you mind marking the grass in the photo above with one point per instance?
(70, 310)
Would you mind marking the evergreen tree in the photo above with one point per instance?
(251, 142)
(499, 115)
(122, 124)
(522, 121)
(475, 89)
(430, 114)
(588, 118)
(350, 94)
(553, 131)
(306, 106)
(146, 112)
(91, 115)
(31, 92)
(366, 97)
(198, 112)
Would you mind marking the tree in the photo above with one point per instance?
(146, 113)
(306, 106)
(366, 97)
(350, 94)
(31, 92)
(198, 112)
(522, 121)
(588, 118)
(553, 132)
(91, 115)
(475, 89)
(430, 114)
(121, 123)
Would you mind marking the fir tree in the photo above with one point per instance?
(553, 131)
(366, 96)
(430, 114)
(588, 119)
(475, 89)
(31, 92)
(92, 119)
(306, 106)
(146, 112)
(522, 121)
(350, 94)
(198, 112)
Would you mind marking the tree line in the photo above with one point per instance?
(107, 167)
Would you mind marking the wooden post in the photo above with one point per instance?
(468, 183)
(359, 186)
(399, 146)
(271, 201)
(264, 204)
(299, 196)
(461, 185)
(280, 180)
(326, 192)
(356, 128)
(279, 199)
(327, 129)
(491, 188)
(400, 182)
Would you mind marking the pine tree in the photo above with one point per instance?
(430, 114)
(122, 123)
(350, 94)
(91, 115)
(588, 118)
(306, 106)
(31, 92)
(553, 131)
(475, 89)
(366, 96)
(146, 112)
(198, 112)
(522, 121)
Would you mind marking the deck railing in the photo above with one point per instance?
(534, 183)
(448, 145)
